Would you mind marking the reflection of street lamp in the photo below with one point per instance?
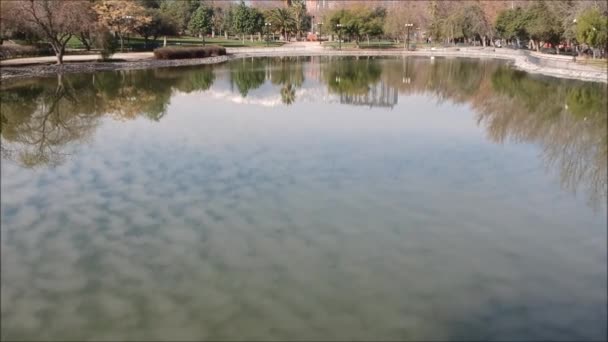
(339, 26)
(405, 79)
(267, 27)
(407, 39)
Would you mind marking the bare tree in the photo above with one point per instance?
(55, 21)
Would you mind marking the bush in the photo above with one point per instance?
(105, 42)
(189, 52)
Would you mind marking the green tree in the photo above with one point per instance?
(201, 22)
(592, 29)
(543, 25)
(160, 25)
(247, 20)
(511, 24)
(282, 21)
(298, 11)
(247, 75)
(180, 12)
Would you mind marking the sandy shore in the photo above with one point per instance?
(555, 66)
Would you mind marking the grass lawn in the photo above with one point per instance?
(137, 43)
(382, 44)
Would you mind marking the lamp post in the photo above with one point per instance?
(267, 27)
(126, 18)
(339, 26)
(407, 39)
(320, 25)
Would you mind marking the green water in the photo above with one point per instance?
(304, 199)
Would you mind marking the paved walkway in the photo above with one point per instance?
(557, 66)
(128, 56)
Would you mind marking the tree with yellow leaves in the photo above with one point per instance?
(122, 17)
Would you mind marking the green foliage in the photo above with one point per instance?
(358, 22)
(179, 12)
(592, 28)
(160, 25)
(200, 23)
(511, 24)
(104, 41)
(282, 21)
(247, 75)
(246, 20)
(542, 24)
(351, 77)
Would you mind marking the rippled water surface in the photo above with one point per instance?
(304, 198)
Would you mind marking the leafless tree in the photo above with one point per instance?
(55, 21)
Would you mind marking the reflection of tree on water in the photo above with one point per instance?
(41, 118)
(358, 82)
(568, 122)
(42, 130)
(567, 119)
(247, 74)
(289, 73)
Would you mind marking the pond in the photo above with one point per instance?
(305, 198)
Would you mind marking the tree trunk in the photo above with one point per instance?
(483, 41)
(164, 41)
(243, 36)
(122, 46)
(557, 49)
(203, 40)
(59, 53)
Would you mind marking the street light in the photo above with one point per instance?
(267, 27)
(127, 18)
(320, 25)
(407, 39)
(339, 26)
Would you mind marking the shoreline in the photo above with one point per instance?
(521, 60)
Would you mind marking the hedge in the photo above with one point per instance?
(189, 52)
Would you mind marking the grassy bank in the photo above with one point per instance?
(139, 44)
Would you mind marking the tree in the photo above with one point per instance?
(201, 22)
(511, 23)
(592, 29)
(474, 23)
(122, 17)
(159, 25)
(282, 21)
(180, 12)
(241, 20)
(542, 25)
(217, 20)
(54, 21)
(298, 11)
(397, 17)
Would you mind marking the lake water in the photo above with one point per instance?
(305, 199)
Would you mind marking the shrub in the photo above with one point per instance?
(189, 52)
(105, 42)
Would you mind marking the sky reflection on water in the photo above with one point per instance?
(304, 199)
